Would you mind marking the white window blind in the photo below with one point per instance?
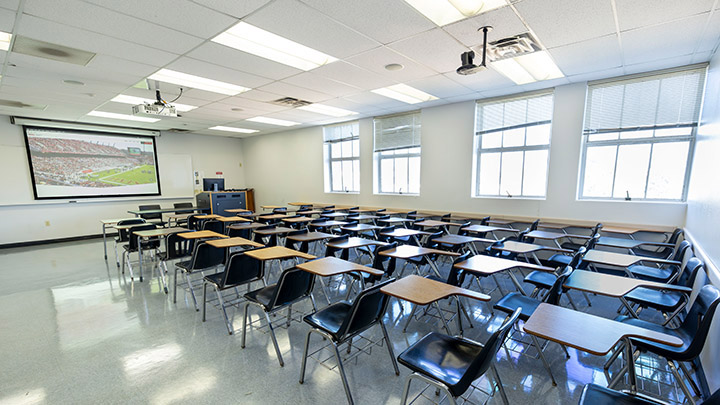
(342, 157)
(397, 131)
(340, 132)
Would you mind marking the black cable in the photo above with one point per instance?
(179, 95)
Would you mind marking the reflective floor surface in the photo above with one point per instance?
(76, 331)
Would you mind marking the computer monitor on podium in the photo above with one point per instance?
(213, 184)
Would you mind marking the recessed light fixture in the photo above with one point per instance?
(139, 100)
(327, 110)
(73, 82)
(273, 121)
(443, 12)
(197, 82)
(405, 93)
(125, 117)
(233, 129)
(394, 66)
(251, 39)
(528, 68)
(5, 40)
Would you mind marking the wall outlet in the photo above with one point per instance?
(47, 223)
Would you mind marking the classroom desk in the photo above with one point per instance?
(273, 216)
(486, 229)
(333, 266)
(310, 237)
(361, 228)
(334, 215)
(227, 220)
(276, 253)
(201, 235)
(308, 212)
(111, 223)
(525, 248)
(239, 211)
(154, 233)
(455, 240)
(363, 217)
(616, 286)
(249, 226)
(621, 259)
(404, 232)
(590, 333)
(233, 242)
(272, 207)
(553, 236)
(431, 223)
(626, 230)
(628, 244)
(498, 221)
(177, 218)
(393, 220)
(355, 242)
(138, 213)
(408, 252)
(297, 220)
(300, 204)
(326, 224)
(361, 210)
(419, 215)
(488, 265)
(423, 291)
(207, 216)
(278, 230)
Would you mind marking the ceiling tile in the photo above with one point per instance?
(440, 86)
(350, 105)
(350, 74)
(182, 15)
(700, 57)
(658, 64)
(244, 103)
(290, 90)
(376, 101)
(10, 4)
(7, 20)
(482, 81)
(321, 83)
(504, 21)
(567, 21)
(652, 43)
(259, 95)
(435, 49)
(711, 36)
(237, 9)
(111, 23)
(316, 30)
(215, 72)
(588, 56)
(642, 13)
(376, 59)
(238, 60)
(383, 20)
(107, 64)
(604, 74)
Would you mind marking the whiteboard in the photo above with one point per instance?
(176, 175)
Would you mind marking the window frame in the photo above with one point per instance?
(378, 159)
(329, 160)
(478, 150)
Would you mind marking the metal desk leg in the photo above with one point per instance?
(516, 282)
(104, 241)
(139, 239)
(630, 359)
(628, 307)
(434, 267)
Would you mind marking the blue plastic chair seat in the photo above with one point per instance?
(331, 318)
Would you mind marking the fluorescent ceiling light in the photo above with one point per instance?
(5, 41)
(251, 39)
(233, 129)
(405, 93)
(197, 82)
(443, 12)
(126, 117)
(524, 69)
(139, 100)
(273, 121)
(327, 110)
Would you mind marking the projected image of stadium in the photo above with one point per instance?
(68, 163)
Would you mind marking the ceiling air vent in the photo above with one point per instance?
(47, 50)
(20, 104)
(291, 102)
(511, 47)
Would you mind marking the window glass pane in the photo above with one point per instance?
(356, 175)
(388, 153)
(336, 149)
(401, 175)
(667, 170)
(492, 140)
(514, 137)
(673, 132)
(347, 149)
(386, 175)
(414, 176)
(489, 176)
(535, 173)
(415, 151)
(347, 175)
(632, 166)
(511, 169)
(599, 171)
(336, 175)
(356, 148)
(648, 133)
(538, 135)
(611, 136)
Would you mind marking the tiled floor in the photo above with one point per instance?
(73, 330)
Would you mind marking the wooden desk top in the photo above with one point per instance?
(362, 217)
(485, 228)
(460, 239)
(394, 219)
(522, 247)
(361, 209)
(207, 216)
(239, 210)
(552, 235)
(310, 236)
(247, 225)
(614, 286)
(627, 243)
(407, 252)
(179, 216)
(113, 221)
(274, 231)
(233, 219)
(233, 242)
(355, 242)
(424, 291)
(277, 252)
(360, 227)
(309, 212)
(297, 220)
(201, 235)
(620, 259)
(149, 233)
(332, 266)
(500, 221)
(434, 223)
(403, 232)
(119, 227)
(419, 215)
(335, 215)
(629, 230)
(300, 204)
(550, 225)
(489, 265)
(273, 216)
(586, 332)
(326, 224)
(271, 207)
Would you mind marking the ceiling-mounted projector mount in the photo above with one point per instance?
(466, 58)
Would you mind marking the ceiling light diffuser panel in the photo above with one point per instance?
(405, 93)
(125, 117)
(197, 82)
(233, 129)
(5, 41)
(532, 67)
(251, 39)
(273, 121)
(327, 110)
(443, 12)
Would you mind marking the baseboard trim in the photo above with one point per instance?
(51, 241)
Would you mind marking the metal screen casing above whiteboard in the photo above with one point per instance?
(397, 131)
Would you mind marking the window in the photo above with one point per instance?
(342, 158)
(512, 146)
(638, 136)
(397, 154)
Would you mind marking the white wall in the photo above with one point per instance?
(703, 215)
(24, 219)
(288, 167)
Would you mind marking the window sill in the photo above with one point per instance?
(499, 197)
(620, 200)
(399, 194)
(342, 192)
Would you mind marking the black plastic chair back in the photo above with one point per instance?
(331, 251)
(596, 229)
(206, 256)
(367, 309)
(282, 210)
(291, 244)
(577, 258)
(292, 285)
(241, 269)
(182, 205)
(272, 238)
(233, 232)
(698, 320)
(379, 259)
(456, 277)
(553, 295)
(322, 214)
(124, 234)
(680, 251)
(150, 207)
(410, 214)
(485, 357)
(214, 225)
(193, 222)
(133, 241)
(464, 225)
(446, 217)
(328, 207)
(692, 268)
(177, 247)
(485, 221)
